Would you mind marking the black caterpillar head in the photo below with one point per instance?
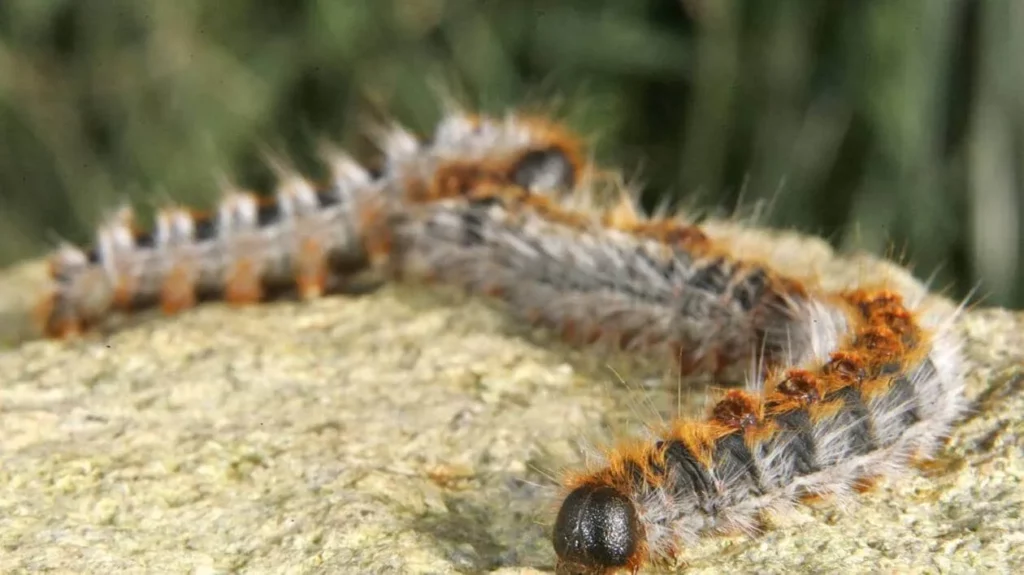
(597, 531)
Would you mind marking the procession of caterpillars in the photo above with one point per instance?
(850, 387)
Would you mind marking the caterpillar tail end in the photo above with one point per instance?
(80, 294)
(52, 319)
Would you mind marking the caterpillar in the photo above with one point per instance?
(849, 386)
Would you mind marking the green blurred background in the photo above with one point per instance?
(891, 127)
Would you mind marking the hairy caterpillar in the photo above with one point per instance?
(302, 237)
(855, 384)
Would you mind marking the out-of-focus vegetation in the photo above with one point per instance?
(894, 127)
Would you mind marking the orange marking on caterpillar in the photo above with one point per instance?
(178, 291)
(242, 286)
(311, 269)
(867, 483)
(378, 240)
(738, 410)
(124, 292)
(42, 314)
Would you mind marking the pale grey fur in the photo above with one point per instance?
(85, 290)
(84, 287)
(589, 276)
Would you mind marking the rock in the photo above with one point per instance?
(414, 430)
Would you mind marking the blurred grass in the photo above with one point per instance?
(894, 127)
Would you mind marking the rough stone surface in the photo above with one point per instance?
(413, 430)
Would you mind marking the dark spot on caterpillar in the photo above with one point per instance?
(473, 218)
(206, 228)
(472, 227)
(484, 202)
(748, 291)
(854, 422)
(890, 368)
(796, 441)
(145, 240)
(902, 396)
(711, 277)
(547, 169)
(329, 197)
(688, 474)
(268, 213)
(597, 529)
(733, 459)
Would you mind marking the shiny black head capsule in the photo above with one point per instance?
(597, 529)
(547, 169)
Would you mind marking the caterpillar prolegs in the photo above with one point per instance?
(852, 385)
